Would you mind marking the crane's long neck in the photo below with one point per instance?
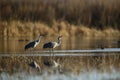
(39, 39)
(59, 41)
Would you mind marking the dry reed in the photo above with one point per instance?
(33, 29)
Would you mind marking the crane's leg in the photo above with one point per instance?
(31, 52)
(50, 55)
(53, 54)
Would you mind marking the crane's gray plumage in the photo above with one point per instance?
(33, 44)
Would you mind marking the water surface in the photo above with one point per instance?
(81, 59)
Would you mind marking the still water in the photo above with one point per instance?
(81, 59)
(17, 44)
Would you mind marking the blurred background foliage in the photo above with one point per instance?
(92, 13)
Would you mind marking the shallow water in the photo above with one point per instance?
(17, 44)
(81, 59)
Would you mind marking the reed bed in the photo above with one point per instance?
(33, 29)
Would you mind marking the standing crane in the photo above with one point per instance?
(52, 45)
(33, 44)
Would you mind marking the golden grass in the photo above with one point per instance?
(69, 64)
(24, 29)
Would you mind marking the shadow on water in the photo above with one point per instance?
(79, 59)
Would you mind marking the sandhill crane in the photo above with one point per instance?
(33, 44)
(52, 45)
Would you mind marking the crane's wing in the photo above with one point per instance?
(49, 45)
(30, 45)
